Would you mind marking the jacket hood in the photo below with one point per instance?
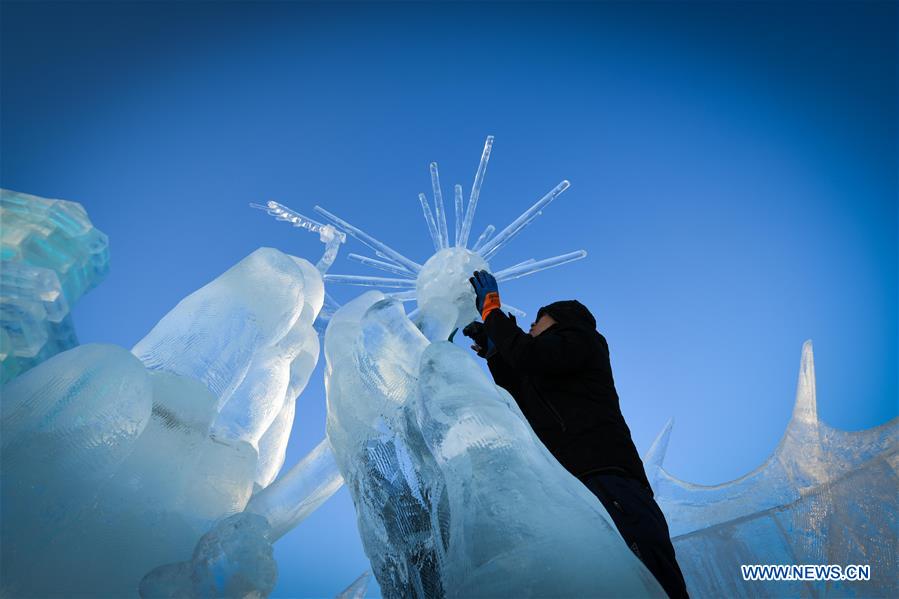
(569, 312)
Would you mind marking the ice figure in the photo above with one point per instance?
(115, 462)
(455, 496)
(371, 352)
(825, 496)
(248, 337)
(52, 255)
(517, 523)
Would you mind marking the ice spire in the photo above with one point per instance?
(653, 459)
(806, 408)
(494, 245)
(429, 218)
(439, 209)
(475, 192)
(457, 196)
(378, 246)
(529, 267)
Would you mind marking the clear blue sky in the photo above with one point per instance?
(733, 169)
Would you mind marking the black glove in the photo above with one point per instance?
(477, 332)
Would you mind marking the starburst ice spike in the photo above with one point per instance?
(388, 266)
(438, 206)
(530, 268)
(364, 281)
(494, 245)
(528, 261)
(387, 258)
(475, 192)
(457, 197)
(517, 312)
(370, 241)
(482, 239)
(429, 218)
(404, 296)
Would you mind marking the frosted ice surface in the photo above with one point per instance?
(372, 353)
(234, 560)
(102, 455)
(248, 337)
(415, 427)
(444, 280)
(52, 255)
(825, 496)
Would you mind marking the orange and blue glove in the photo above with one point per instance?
(486, 292)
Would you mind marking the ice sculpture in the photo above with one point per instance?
(370, 376)
(248, 337)
(825, 496)
(455, 495)
(414, 495)
(439, 284)
(113, 465)
(235, 558)
(52, 255)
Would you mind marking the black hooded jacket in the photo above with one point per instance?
(562, 381)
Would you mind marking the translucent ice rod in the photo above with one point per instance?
(388, 266)
(530, 268)
(517, 312)
(282, 212)
(528, 261)
(297, 493)
(438, 206)
(457, 194)
(494, 245)
(475, 192)
(370, 281)
(483, 237)
(429, 218)
(412, 267)
(405, 296)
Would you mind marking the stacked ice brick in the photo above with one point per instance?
(52, 255)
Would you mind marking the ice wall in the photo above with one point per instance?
(51, 256)
(455, 496)
(116, 462)
(824, 496)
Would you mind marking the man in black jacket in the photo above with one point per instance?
(561, 377)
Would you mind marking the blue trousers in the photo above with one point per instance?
(642, 525)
